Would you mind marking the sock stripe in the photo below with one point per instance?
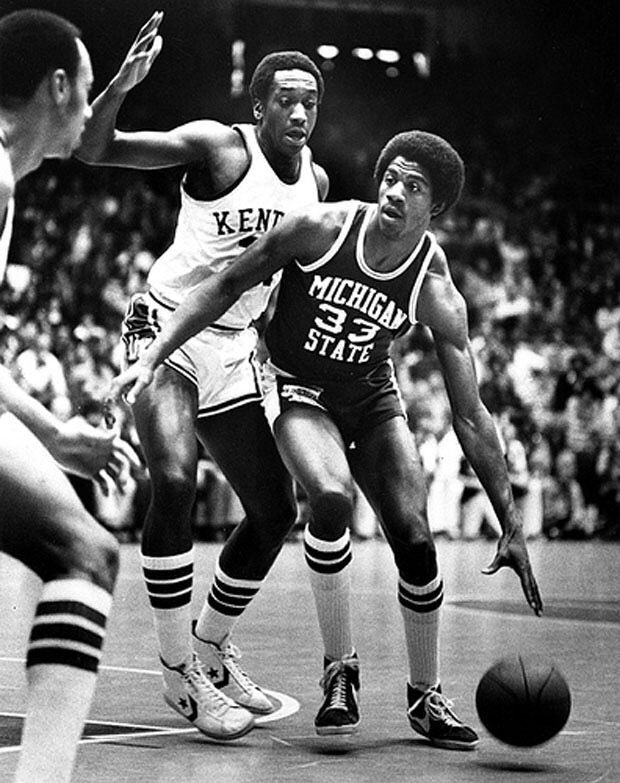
(327, 557)
(66, 632)
(330, 568)
(167, 574)
(234, 590)
(227, 598)
(229, 611)
(71, 608)
(171, 602)
(62, 656)
(169, 580)
(421, 603)
(169, 588)
(69, 632)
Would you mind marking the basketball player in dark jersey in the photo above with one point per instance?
(355, 277)
(45, 78)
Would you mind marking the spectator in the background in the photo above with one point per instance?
(564, 506)
(587, 426)
(40, 373)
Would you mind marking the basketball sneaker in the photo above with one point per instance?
(432, 716)
(190, 693)
(339, 713)
(220, 666)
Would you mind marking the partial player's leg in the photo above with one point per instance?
(46, 527)
(314, 453)
(165, 419)
(242, 445)
(387, 466)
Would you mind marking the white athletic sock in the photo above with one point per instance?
(330, 577)
(420, 608)
(169, 583)
(61, 665)
(227, 600)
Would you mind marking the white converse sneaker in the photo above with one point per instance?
(190, 693)
(220, 666)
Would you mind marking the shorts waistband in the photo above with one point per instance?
(171, 307)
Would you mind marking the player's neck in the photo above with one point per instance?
(287, 167)
(383, 252)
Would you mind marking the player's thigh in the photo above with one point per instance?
(313, 450)
(387, 466)
(42, 522)
(165, 417)
(242, 445)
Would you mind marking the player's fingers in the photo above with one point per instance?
(151, 24)
(125, 450)
(494, 565)
(103, 482)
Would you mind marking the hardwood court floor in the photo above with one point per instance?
(133, 736)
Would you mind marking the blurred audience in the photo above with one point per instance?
(538, 262)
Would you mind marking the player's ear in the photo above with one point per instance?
(60, 87)
(437, 209)
(257, 110)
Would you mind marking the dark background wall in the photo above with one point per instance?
(537, 79)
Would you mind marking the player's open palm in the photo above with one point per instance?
(141, 55)
(512, 552)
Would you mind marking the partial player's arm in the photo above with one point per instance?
(103, 144)
(75, 445)
(443, 309)
(301, 235)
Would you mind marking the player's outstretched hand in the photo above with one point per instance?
(141, 55)
(94, 453)
(512, 552)
(129, 383)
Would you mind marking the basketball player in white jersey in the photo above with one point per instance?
(356, 276)
(45, 78)
(239, 181)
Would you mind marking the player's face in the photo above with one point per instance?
(405, 198)
(77, 110)
(289, 114)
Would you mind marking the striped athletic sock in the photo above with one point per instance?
(330, 579)
(62, 661)
(227, 600)
(169, 582)
(420, 608)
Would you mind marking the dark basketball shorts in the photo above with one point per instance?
(355, 407)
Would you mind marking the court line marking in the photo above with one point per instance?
(456, 603)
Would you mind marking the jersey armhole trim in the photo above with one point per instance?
(415, 293)
(339, 241)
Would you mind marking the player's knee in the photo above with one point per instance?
(173, 487)
(416, 556)
(331, 512)
(92, 553)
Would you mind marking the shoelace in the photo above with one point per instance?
(230, 655)
(441, 709)
(334, 679)
(206, 693)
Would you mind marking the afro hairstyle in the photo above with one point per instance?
(442, 162)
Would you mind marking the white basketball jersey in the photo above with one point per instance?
(5, 237)
(211, 234)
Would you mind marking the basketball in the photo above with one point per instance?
(523, 700)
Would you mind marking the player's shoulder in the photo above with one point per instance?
(325, 216)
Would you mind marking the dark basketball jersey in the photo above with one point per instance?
(336, 318)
